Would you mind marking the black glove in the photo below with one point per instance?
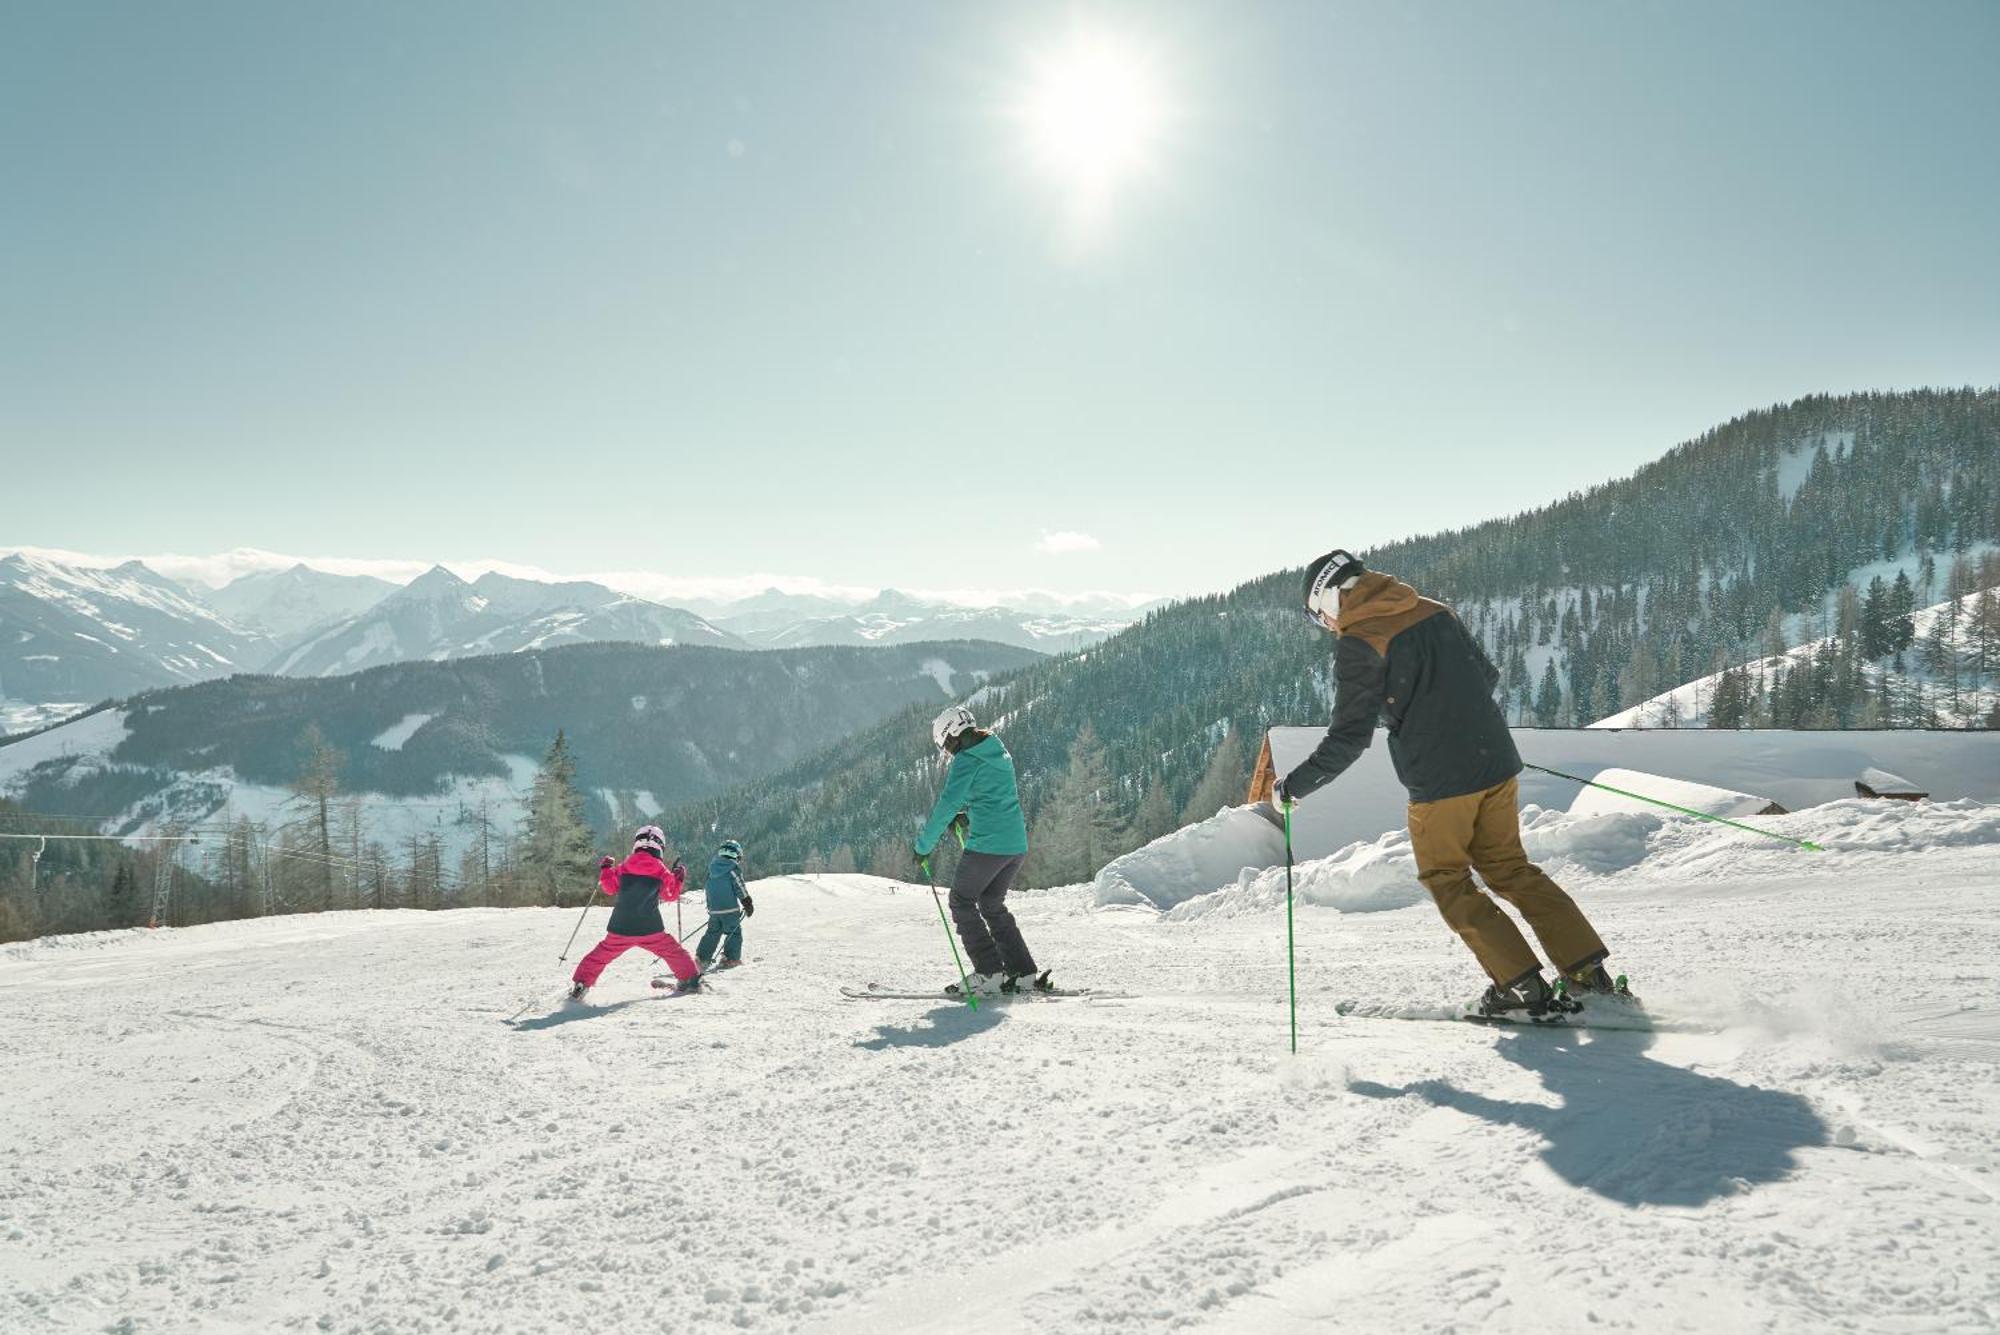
(748, 907)
(1279, 798)
(605, 864)
(923, 864)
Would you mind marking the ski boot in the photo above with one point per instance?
(1528, 997)
(1028, 982)
(730, 964)
(978, 985)
(1590, 981)
(577, 992)
(689, 984)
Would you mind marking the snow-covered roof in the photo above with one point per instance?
(1705, 798)
(1884, 784)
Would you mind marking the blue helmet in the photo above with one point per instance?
(730, 849)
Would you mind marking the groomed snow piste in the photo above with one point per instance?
(323, 1123)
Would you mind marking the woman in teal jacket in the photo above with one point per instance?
(980, 792)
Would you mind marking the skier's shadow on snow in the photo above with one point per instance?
(939, 1029)
(569, 1014)
(1635, 1130)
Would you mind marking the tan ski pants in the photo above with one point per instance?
(1482, 832)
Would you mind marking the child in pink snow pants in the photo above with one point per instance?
(641, 883)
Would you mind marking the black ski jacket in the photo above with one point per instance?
(1408, 661)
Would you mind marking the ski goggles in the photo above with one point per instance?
(1323, 598)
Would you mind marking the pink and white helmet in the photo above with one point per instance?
(650, 839)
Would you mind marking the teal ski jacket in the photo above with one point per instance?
(725, 885)
(981, 784)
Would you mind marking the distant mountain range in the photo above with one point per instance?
(71, 634)
(440, 616)
(780, 621)
(282, 603)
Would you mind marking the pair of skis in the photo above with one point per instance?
(882, 992)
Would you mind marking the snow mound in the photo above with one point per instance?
(1241, 853)
(1192, 861)
(1598, 842)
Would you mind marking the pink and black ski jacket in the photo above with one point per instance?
(641, 883)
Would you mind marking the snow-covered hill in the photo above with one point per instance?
(83, 633)
(431, 748)
(323, 1122)
(1908, 683)
(440, 616)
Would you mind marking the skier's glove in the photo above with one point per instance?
(1280, 798)
(748, 907)
(605, 864)
(679, 868)
(924, 865)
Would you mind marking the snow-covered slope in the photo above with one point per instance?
(1688, 705)
(440, 616)
(286, 603)
(203, 1132)
(84, 633)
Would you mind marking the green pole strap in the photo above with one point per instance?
(964, 985)
(1291, 952)
(1685, 811)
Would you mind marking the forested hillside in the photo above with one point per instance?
(1756, 534)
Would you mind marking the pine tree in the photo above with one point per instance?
(317, 786)
(1078, 827)
(122, 905)
(556, 850)
(1222, 784)
(1155, 814)
(1549, 699)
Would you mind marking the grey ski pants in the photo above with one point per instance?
(992, 938)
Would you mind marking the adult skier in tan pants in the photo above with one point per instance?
(1408, 661)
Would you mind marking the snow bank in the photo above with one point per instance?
(1201, 871)
(1380, 873)
(1191, 861)
(1702, 797)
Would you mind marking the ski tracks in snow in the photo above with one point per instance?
(322, 1124)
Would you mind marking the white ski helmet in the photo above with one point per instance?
(950, 724)
(650, 839)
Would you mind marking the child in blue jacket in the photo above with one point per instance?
(728, 905)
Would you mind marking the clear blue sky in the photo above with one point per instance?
(715, 288)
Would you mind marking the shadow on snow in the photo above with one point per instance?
(569, 1012)
(941, 1028)
(1635, 1130)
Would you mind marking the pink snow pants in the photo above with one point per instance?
(611, 947)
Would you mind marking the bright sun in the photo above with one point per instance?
(1093, 113)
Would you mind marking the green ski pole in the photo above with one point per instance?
(964, 985)
(1291, 953)
(1685, 811)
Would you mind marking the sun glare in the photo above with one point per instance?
(1093, 114)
